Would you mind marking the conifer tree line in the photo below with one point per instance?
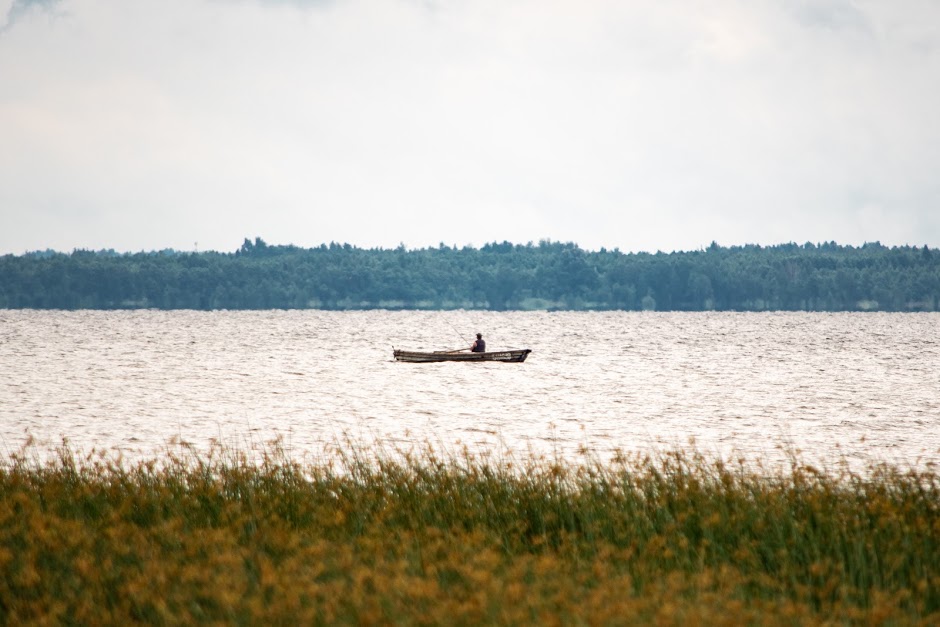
(498, 276)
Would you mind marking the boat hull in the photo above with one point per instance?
(417, 357)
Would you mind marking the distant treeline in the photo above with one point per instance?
(498, 276)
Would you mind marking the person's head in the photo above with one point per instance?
(479, 336)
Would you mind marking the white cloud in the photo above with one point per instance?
(641, 125)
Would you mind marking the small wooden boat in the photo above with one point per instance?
(514, 355)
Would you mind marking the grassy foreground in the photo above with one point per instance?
(417, 539)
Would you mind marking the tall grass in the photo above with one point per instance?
(416, 538)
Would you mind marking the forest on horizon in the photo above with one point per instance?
(497, 276)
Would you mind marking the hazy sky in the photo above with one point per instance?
(638, 124)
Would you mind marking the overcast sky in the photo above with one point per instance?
(637, 124)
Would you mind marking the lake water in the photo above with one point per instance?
(834, 386)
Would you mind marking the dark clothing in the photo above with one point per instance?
(479, 346)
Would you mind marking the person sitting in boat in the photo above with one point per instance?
(479, 346)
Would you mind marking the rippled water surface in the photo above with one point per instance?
(857, 386)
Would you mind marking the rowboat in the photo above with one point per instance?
(515, 355)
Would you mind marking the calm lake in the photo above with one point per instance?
(834, 386)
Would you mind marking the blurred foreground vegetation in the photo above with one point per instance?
(413, 538)
(547, 275)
